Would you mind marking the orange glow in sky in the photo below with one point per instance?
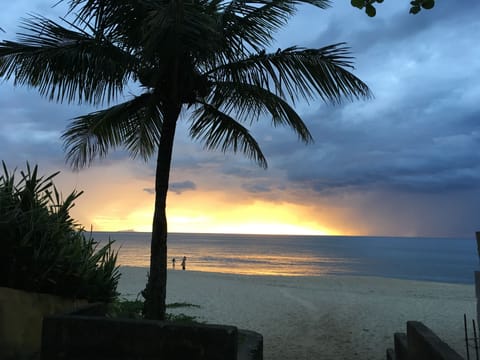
(123, 205)
(256, 218)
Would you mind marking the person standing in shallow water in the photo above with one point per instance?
(173, 263)
(184, 261)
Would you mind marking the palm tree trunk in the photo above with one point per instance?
(155, 292)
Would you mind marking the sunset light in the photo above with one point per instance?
(256, 218)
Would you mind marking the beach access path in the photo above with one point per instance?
(324, 317)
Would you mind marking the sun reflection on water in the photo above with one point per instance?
(237, 254)
(307, 255)
(248, 264)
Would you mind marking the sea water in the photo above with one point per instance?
(434, 259)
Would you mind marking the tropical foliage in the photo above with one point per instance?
(133, 309)
(43, 249)
(205, 58)
(369, 5)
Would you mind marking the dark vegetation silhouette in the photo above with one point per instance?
(43, 249)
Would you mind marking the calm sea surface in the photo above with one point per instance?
(444, 260)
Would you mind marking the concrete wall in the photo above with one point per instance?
(420, 343)
(87, 337)
(21, 316)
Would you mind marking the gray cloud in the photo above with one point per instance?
(180, 187)
(176, 187)
(257, 188)
(374, 156)
(412, 214)
(419, 134)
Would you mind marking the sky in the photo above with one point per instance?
(404, 163)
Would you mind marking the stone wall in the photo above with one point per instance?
(21, 315)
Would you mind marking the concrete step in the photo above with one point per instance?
(250, 345)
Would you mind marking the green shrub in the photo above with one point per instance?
(126, 309)
(133, 309)
(43, 249)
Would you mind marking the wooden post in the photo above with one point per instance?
(477, 234)
(477, 279)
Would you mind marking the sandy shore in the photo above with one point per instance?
(328, 317)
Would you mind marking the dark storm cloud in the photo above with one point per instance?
(416, 214)
(421, 131)
(246, 171)
(180, 187)
(397, 157)
(391, 25)
(27, 133)
(256, 188)
(176, 187)
(31, 128)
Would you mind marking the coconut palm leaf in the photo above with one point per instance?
(66, 65)
(218, 130)
(134, 124)
(180, 29)
(299, 73)
(250, 103)
(255, 22)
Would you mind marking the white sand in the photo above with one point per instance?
(328, 317)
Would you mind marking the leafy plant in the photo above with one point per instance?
(181, 318)
(130, 309)
(133, 309)
(415, 5)
(43, 249)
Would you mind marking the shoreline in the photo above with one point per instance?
(307, 276)
(317, 317)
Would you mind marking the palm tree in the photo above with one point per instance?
(207, 58)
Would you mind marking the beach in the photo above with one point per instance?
(317, 317)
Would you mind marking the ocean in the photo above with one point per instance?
(432, 259)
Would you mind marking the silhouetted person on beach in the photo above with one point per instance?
(173, 263)
(184, 261)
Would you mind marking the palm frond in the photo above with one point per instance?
(65, 65)
(254, 22)
(111, 13)
(136, 124)
(299, 73)
(250, 103)
(179, 27)
(218, 130)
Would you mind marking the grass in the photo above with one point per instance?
(133, 309)
(180, 305)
